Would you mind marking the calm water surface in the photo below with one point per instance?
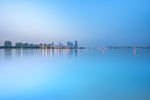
(89, 74)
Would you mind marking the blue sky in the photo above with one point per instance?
(92, 22)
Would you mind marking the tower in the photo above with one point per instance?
(76, 44)
(7, 44)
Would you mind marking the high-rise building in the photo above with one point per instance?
(41, 45)
(76, 44)
(45, 45)
(69, 44)
(37, 45)
(31, 45)
(7, 44)
(49, 45)
(25, 44)
(52, 44)
(19, 44)
(60, 44)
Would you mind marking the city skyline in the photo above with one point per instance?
(52, 45)
(94, 23)
(58, 42)
(74, 49)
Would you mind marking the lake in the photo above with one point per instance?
(67, 74)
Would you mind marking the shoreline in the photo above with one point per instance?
(2, 47)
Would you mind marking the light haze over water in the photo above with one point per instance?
(67, 74)
(93, 23)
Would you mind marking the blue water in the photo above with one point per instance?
(87, 74)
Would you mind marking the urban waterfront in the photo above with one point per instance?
(74, 74)
(74, 50)
(69, 45)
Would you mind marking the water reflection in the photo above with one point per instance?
(19, 52)
(103, 50)
(52, 52)
(115, 72)
(61, 52)
(134, 51)
(8, 53)
(72, 52)
(69, 52)
(46, 52)
(76, 52)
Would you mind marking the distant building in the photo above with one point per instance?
(7, 44)
(25, 44)
(19, 44)
(53, 44)
(45, 45)
(37, 45)
(76, 44)
(69, 44)
(41, 45)
(31, 45)
(60, 44)
(48, 45)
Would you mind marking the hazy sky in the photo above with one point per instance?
(91, 22)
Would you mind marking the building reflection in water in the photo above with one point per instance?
(19, 52)
(52, 52)
(59, 52)
(103, 50)
(8, 53)
(43, 52)
(76, 52)
(69, 52)
(48, 51)
(25, 52)
(135, 51)
(22, 52)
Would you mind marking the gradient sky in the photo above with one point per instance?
(93, 23)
